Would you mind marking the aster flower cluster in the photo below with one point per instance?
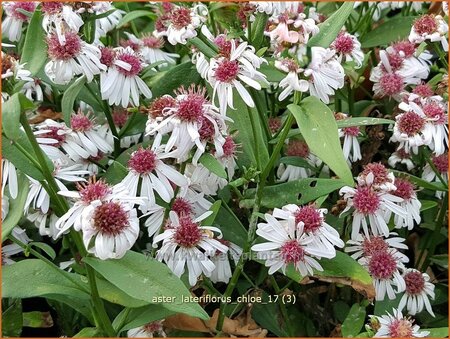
(241, 151)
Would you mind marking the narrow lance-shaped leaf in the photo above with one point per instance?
(319, 129)
(34, 52)
(69, 98)
(331, 27)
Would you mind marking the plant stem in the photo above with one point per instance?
(437, 230)
(282, 307)
(99, 310)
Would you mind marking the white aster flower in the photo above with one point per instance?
(325, 73)
(75, 57)
(186, 243)
(291, 82)
(348, 48)
(108, 23)
(397, 326)
(147, 169)
(60, 17)
(121, 84)
(288, 244)
(226, 73)
(9, 177)
(411, 204)
(10, 249)
(14, 19)
(148, 330)
(417, 293)
(430, 27)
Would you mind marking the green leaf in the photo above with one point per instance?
(354, 321)
(392, 30)
(146, 279)
(362, 122)
(386, 305)
(12, 321)
(37, 319)
(211, 163)
(89, 332)
(231, 226)
(215, 210)
(435, 186)
(342, 269)
(258, 27)
(272, 74)
(134, 15)
(134, 125)
(251, 147)
(115, 173)
(89, 31)
(427, 204)
(11, 111)
(34, 52)
(441, 332)
(183, 74)
(206, 49)
(331, 27)
(132, 318)
(45, 247)
(299, 192)
(318, 127)
(69, 97)
(16, 206)
(115, 295)
(440, 260)
(296, 161)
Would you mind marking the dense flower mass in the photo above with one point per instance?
(226, 161)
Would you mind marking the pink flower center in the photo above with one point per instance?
(373, 245)
(382, 265)
(153, 327)
(391, 83)
(153, 42)
(351, 131)
(290, 64)
(292, 252)
(80, 123)
(379, 171)
(229, 147)
(108, 56)
(343, 43)
(68, 51)
(159, 104)
(415, 282)
(132, 60)
(426, 24)
(26, 6)
(424, 90)
(182, 207)
(310, 217)
(297, 148)
(405, 189)
(402, 154)
(395, 60)
(52, 7)
(94, 191)
(410, 123)
(400, 328)
(120, 117)
(274, 124)
(408, 48)
(366, 201)
(227, 70)
(54, 134)
(207, 130)
(143, 161)
(435, 111)
(188, 233)
(180, 17)
(441, 163)
(190, 108)
(110, 218)
(128, 43)
(224, 45)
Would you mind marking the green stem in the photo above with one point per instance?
(282, 307)
(437, 231)
(255, 138)
(99, 309)
(27, 154)
(442, 57)
(351, 100)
